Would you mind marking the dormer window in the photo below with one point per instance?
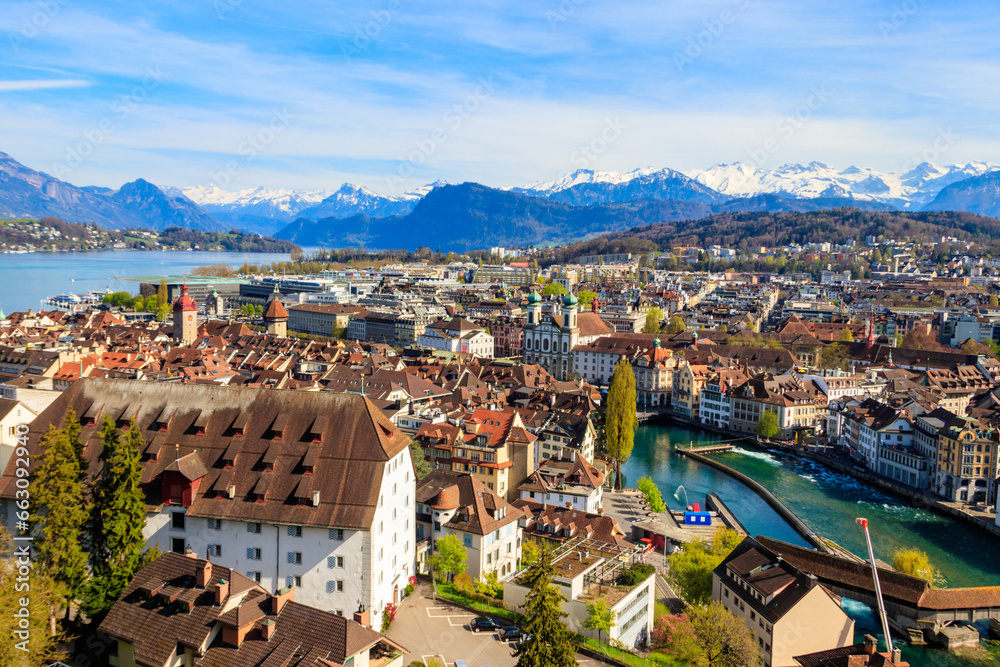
(240, 423)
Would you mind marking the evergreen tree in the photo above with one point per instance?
(71, 427)
(59, 501)
(118, 517)
(421, 465)
(620, 420)
(549, 644)
(161, 294)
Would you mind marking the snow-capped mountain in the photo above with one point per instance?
(586, 187)
(353, 199)
(911, 190)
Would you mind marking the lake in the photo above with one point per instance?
(26, 279)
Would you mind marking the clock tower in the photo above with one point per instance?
(185, 318)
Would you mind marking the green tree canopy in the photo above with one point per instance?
(422, 465)
(529, 553)
(726, 639)
(620, 420)
(60, 512)
(586, 297)
(994, 301)
(846, 336)
(767, 424)
(653, 319)
(549, 643)
(676, 325)
(449, 557)
(691, 567)
(117, 518)
(916, 563)
(554, 289)
(600, 617)
(44, 599)
(118, 299)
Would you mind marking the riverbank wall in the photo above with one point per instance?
(913, 496)
(805, 531)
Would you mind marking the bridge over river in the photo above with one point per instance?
(910, 602)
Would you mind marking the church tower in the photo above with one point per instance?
(275, 315)
(185, 318)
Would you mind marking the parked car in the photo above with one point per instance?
(510, 633)
(484, 623)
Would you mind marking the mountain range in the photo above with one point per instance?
(469, 216)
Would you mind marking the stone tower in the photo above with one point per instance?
(275, 316)
(185, 318)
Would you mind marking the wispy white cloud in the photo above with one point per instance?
(41, 84)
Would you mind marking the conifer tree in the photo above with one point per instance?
(60, 513)
(620, 420)
(549, 644)
(118, 517)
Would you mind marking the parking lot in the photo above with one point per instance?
(434, 628)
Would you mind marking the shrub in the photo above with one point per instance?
(408, 591)
(652, 493)
(635, 574)
(463, 582)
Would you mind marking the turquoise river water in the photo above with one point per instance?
(825, 500)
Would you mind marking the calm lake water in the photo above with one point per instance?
(828, 502)
(27, 279)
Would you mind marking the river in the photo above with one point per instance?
(825, 500)
(26, 279)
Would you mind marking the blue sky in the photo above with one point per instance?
(393, 94)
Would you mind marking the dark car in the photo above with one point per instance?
(484, 623)
(510, 633)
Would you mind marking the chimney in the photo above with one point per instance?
(569, 505)
(897, 656)
(280, 598)
(871, 645)
(221, 592)
(231, 491)
(315, 498)
(189, 552)
(267, 629)
(363, 617)
(204, 574)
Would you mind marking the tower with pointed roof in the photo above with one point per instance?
(185, 318)
(275, 315)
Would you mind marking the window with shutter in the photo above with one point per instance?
(291, 556)
(289, 581)
(331, 586)
(249, 553)
(331, 561)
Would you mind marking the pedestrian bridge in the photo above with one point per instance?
(910, 602)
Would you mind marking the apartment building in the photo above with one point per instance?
(305, 490)
(967, 465)
(788, 611)
(453, 503)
